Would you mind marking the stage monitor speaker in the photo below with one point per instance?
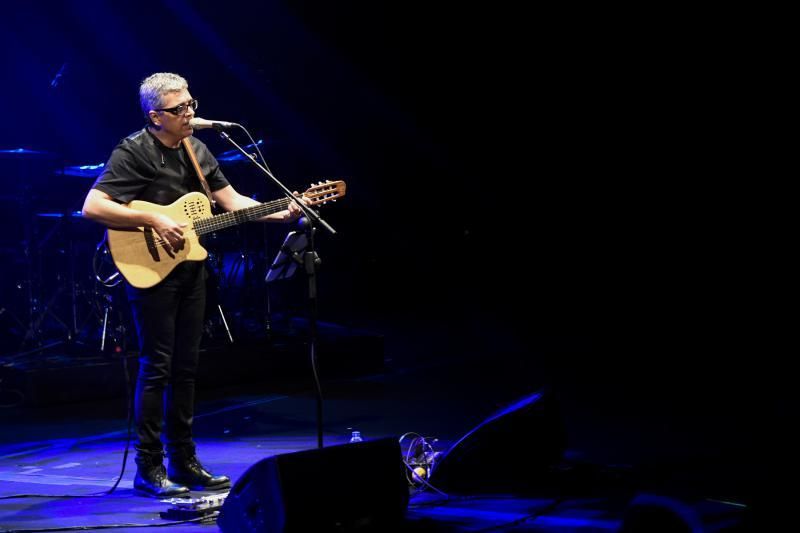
(509, 450)
(360, 486)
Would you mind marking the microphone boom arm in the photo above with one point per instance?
(310, 213)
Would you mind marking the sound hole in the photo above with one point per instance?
(194, 209)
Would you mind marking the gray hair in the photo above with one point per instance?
(157, 85)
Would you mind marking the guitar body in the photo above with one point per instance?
(137, 252)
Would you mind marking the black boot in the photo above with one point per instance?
(184, 468)
(151, 476)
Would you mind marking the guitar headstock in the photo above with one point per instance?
(323, 192)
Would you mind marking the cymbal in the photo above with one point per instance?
(235, 156)
(24, 153)
(231, 159)
(82, 171)
(73, 214)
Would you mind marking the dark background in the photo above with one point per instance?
(542, 178)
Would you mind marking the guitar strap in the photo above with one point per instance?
(189, 150)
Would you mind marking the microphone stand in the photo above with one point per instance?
(310, 262)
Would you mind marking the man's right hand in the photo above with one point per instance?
(171, 232)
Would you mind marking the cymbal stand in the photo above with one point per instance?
(108, 277)
(71, 330)
(37, 315)
(238, 275)
(116, 334)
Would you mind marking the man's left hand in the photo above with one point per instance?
(294, 211)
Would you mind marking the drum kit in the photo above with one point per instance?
(49, 296)
(60, 289)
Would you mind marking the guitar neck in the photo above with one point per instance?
(240, 216)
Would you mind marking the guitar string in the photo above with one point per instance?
(205, 225)
(221, 221)
(215, 222)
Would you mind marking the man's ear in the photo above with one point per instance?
(154, 118)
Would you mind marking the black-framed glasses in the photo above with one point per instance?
(181, 109)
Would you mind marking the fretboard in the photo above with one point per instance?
(232, 218)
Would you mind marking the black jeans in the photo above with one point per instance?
(169, 324)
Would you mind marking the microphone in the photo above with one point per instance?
(201, 124)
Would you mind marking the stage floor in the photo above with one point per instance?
(436, 382)
(78, 450)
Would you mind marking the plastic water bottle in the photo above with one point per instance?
(356, 437)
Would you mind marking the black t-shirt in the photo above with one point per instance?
(142, 168)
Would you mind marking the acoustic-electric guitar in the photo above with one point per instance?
(144, 259)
